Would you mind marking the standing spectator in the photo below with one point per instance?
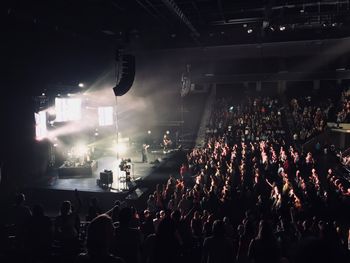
(264, 247)
(217, 248)
(39, 234)
(127, 240)
(99, 241)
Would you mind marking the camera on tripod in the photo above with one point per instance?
(125, 165)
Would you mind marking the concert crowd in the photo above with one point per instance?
(249, 194)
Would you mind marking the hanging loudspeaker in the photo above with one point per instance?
(127, 76)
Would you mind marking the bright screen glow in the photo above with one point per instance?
(105, 116)
(67, 109)
(40, 125)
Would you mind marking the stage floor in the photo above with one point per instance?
(88, 183)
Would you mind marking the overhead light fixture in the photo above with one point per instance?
(249, 31)
(282, 28)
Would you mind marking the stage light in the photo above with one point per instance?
(81, 85)
(51, 111)
(105, 116)
(149, 132)
(40, 125)
(120, 148)
(81, 150)
(249, 31)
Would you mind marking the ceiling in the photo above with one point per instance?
(158, 24)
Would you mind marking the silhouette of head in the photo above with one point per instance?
(100, 234)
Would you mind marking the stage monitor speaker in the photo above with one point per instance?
(127, 76)
(106, 177)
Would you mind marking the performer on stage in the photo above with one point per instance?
(166, 143)
(145, 153)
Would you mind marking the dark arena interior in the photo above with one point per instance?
(201, 131)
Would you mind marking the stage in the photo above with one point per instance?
(87, 182)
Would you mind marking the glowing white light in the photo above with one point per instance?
(120, 148)
(105, 116)
(42, 94)
(167, 132)
(55, 145)
(282, 28)
(67, 109)
(51, 111)
(81, 85)
(149, 132)
(40, 125)
(81, 150)
(96, 133)
(249, 31)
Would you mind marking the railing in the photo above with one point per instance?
(310, 144)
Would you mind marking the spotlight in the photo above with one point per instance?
(249, 31)
(167, 132)
(81, 85)
(149, 132)
(282, 28)
(43, 94)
